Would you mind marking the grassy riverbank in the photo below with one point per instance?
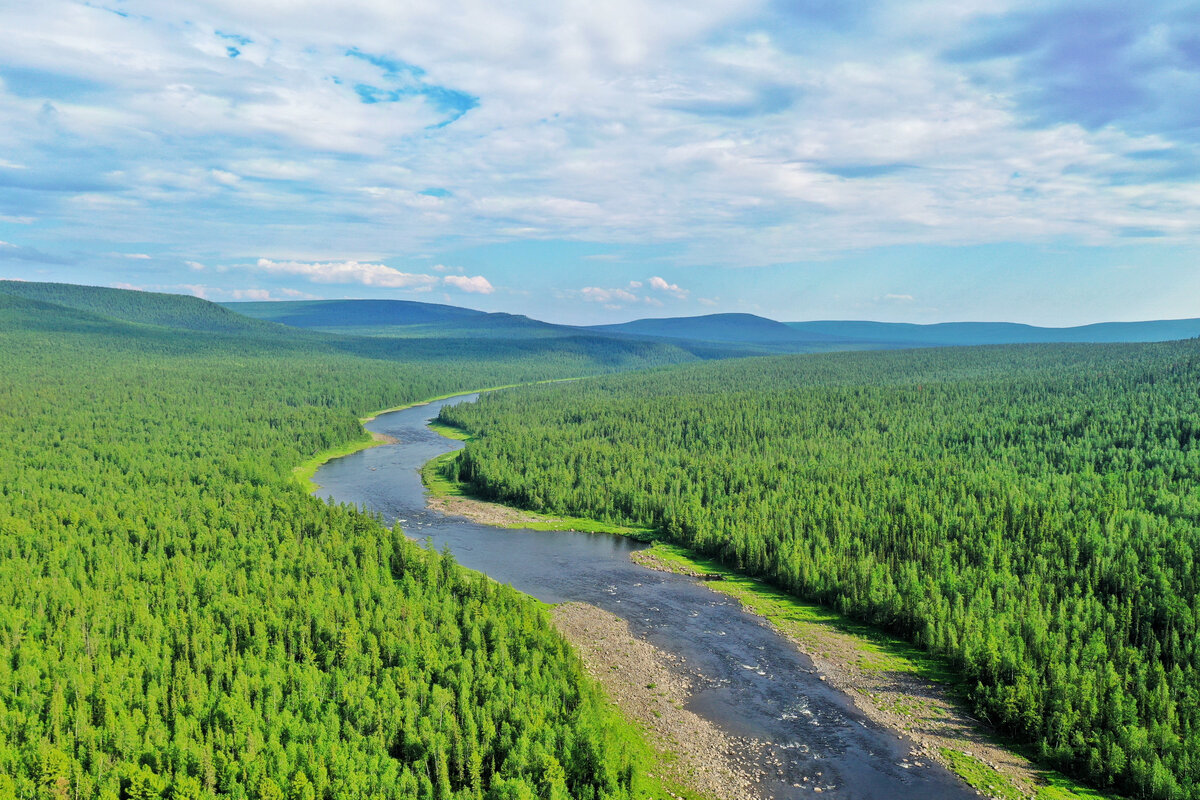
(304, 472)
(453, 497)
(894, 682)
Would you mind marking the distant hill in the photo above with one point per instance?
(741, 328)
(748, 330)
(402, 318)
(899, 334)
(25, 313)
(323, 314)
(350, 325)
(434, 333)
(149, 308)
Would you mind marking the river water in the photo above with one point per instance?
(750, 681)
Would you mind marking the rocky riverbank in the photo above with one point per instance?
(924, 711)
(652, 687)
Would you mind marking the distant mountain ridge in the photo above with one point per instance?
(352, 313)
(978, 333)
(403, 330)
(706, 336)
(749, 329)
(147, 308)
(402, 318)
(714, 328)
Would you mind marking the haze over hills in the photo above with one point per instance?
(353, 313)
(748, 329)
(743, 328)
(435, 332)
(148, 308)
(404, 318)
(364, 326)
(972, 333)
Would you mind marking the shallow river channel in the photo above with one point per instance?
(749, 681)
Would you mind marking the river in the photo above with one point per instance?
(749, 680)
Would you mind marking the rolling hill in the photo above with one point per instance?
(353, 313)
(823, 335)
(381, 330)
(899, 334)
(711, 328)
(148, 308)
(398, 318)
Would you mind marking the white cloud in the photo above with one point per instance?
(348, 272)
(595, 294)
(899, 298)
(225, 178)
(276, 169)
(194, 289)
(475, 285)
(131, 256)
(216, 293)
(22, 220)
(660, 285)
(195, 265)
(618, 297)
(772, 140)
(296, 294)
(251, 294)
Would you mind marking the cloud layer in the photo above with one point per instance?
(737, 134)
(379, 275)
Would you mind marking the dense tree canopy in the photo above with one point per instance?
(1030, 512)
(179, 620)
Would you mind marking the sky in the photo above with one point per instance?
(1033, 161)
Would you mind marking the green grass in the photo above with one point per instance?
(875, 650)
(652, 782)
(1060, 787)
(450, 432)
(426, 402)
(303, 474)
(980, 776)
(434, 477)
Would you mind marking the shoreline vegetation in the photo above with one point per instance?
(304, 472)
(686, 755)
(893, 682)
(278, 645)
(456, 499)
(667, 773)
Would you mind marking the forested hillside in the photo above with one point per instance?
(1032, 513)
(180, 620)
(170, 310)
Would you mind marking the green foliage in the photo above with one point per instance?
(179, 619)
(169, 310)
(980, 776)
(1032, 514)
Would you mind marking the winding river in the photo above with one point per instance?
(749, 681)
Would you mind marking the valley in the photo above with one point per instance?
(812, 484)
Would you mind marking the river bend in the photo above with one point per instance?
(749, 680)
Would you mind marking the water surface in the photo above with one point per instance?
(749, 680)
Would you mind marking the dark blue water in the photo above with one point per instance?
(749, 680)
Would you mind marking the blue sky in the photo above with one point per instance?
(593, 162)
